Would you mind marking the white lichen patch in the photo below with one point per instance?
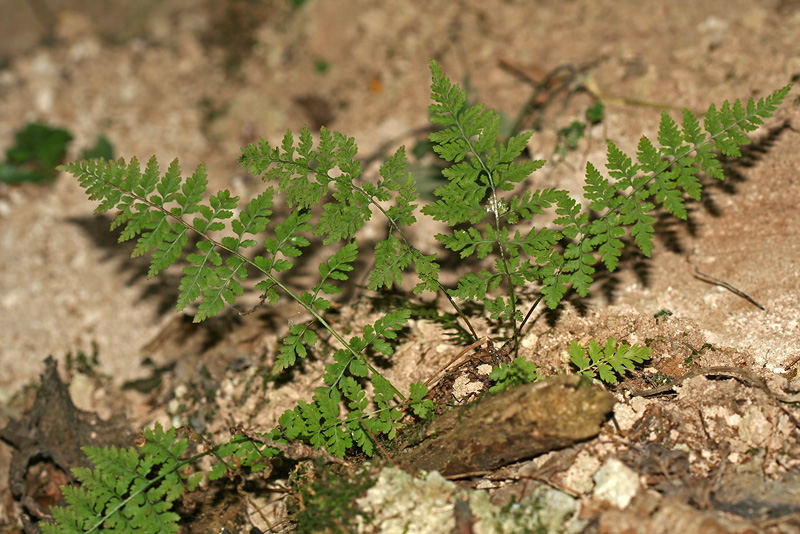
(400, 503)
(484, 369)
(755, 429)
(578, 476)
(465, 387)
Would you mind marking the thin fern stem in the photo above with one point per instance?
(528, 315)
(416, 251)
(494, 208)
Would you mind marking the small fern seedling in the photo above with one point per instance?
(507, 375)
(322, 183)
(609, 361)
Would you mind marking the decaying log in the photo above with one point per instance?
(513, 425)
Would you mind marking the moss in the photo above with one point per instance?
(400, 502)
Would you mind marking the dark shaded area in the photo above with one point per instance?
(752, 155)
(47, 444)
(745, 491)
(165, 287)
(212, 509)
(235, 27)
(754, 496)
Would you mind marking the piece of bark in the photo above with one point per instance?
(513, 425)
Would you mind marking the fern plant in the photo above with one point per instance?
(322, 183)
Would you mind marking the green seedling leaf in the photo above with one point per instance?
(37, 151)
(607, 362)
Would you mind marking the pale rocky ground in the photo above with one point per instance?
(153, 79)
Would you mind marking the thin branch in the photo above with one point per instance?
(726, 285)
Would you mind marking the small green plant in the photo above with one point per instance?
(596, 112)
(489, 215)
(33, 158)
(661, 314)
(322, 66)
(519, 371)
(609, 361)
(39, 149)
(102, 149)
(569, 136)
(83, 363)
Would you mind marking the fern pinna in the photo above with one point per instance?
(322, 183)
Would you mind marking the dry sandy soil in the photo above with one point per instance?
(180, 79)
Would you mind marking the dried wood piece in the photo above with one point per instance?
(513, 425)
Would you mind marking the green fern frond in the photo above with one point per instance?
(660, 175)
(128, 491)
(156, 208)
(132, 491)
(319, 422)
(304, 174)
(482, 168)
(302, 335)
(217, 266)
(609, 361)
